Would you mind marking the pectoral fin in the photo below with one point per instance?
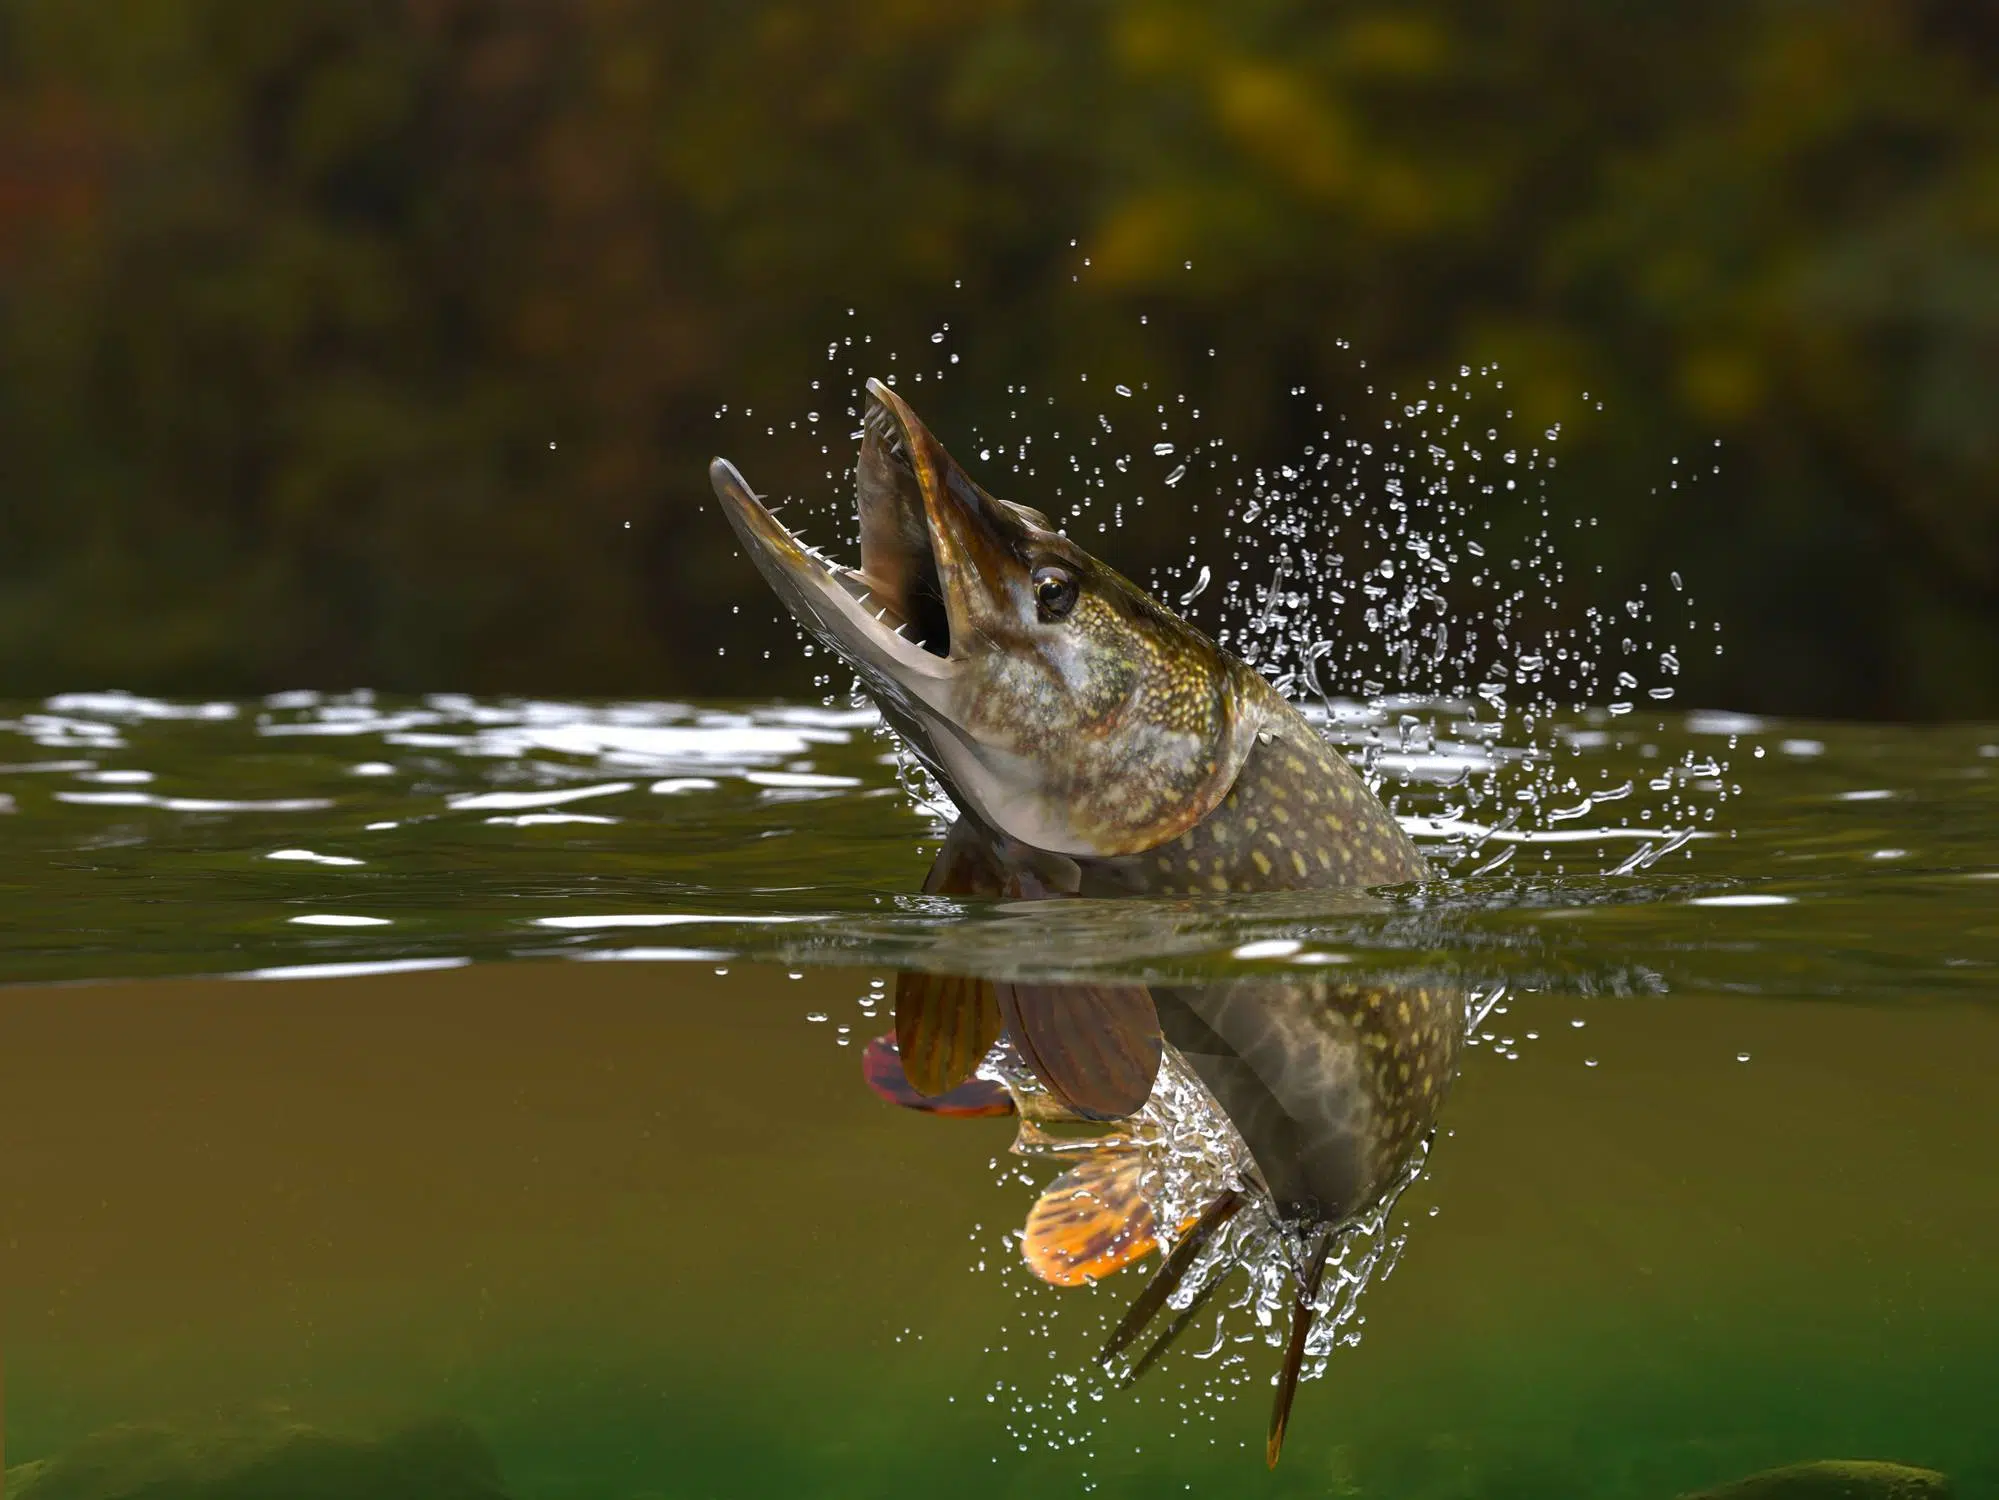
(945, 1024)
(1095, 1047)
(1089, 1222)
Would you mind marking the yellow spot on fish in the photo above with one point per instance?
(1218, 882)
(1325, 859)
(1280, 815)
(1334, 823)
(1250, 824)
(1294, 765)
(1262, 861)
(1186, 841)
(1273, 840)
(1298, 863)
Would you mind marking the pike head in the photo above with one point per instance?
(1058, 703)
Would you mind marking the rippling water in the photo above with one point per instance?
(1713, 1192)
(284, 836)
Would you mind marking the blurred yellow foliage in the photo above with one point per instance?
(297, 298)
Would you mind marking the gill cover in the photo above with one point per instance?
(1109, 728)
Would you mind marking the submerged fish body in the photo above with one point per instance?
(1095, 745)
(1331, 1085)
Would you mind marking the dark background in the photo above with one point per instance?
(294, 297)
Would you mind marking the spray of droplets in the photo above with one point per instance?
(1404, 578)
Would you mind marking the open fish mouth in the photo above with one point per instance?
(888, 616)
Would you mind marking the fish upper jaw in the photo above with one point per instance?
(974, 545)
(837, 604)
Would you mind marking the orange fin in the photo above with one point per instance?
(945, 1024)
(882, 1067)
(1294, 1356)
(1095, 1047)
(1089, 1222)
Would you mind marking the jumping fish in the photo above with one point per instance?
(1095, 744)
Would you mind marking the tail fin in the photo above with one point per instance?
(1294, 1357)
(1170, 1275)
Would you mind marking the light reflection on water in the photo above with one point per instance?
(220, 837)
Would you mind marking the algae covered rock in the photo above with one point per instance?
(1835, 1479)
(441, 1459)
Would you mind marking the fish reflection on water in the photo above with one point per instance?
(1095, 745)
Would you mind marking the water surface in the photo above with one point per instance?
(1713, 1191)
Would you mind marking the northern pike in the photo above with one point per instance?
(1096, 744)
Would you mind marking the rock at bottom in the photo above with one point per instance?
(440, 1459)
(1835, 1479)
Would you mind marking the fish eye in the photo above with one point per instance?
(1054, 592)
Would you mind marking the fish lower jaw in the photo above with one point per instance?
(872, 597)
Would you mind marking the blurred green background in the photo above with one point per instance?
(295, 297)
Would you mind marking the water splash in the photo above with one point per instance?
(1405, 576)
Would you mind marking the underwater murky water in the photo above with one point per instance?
(1713, 1190)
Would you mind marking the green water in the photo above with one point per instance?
(642, 1225)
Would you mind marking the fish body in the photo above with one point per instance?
(1095, 744)
(1296, 817)
(1064, 710)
